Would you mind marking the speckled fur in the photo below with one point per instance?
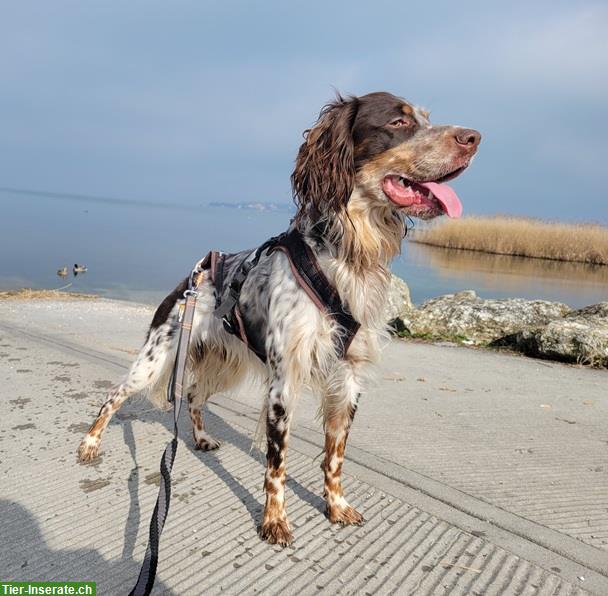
(354, 234)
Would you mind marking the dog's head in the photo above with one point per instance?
(386, 149)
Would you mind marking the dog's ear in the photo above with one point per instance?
(324, 175)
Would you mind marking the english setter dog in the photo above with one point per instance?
(366, 164)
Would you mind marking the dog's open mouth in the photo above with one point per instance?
(434, 195)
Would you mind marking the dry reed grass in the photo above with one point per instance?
(580, 243)
(29, 294)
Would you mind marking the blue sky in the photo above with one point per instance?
(201, 101)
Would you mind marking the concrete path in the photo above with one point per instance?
(477, 472)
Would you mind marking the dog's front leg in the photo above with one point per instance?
(275, 527)
(338, 412)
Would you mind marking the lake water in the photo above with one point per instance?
(140, 252)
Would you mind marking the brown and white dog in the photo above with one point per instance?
(366, 164)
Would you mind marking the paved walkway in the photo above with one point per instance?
(477, 472)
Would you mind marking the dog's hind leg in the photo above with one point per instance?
(339, 407)
(216, 368)
(196, 402)
(146, 369)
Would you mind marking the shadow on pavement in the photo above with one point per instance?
(25, 556)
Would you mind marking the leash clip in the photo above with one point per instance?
(195, 280)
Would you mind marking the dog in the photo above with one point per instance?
(366, 164)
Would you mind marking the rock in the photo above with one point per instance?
(399, 302)
(535, 327)
(580, 336)
(466, 317)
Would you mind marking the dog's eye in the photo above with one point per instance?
(399, 122)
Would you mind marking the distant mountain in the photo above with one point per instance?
(258, 206)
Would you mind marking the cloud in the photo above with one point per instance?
(209, 100)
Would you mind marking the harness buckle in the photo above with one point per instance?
(228, 326)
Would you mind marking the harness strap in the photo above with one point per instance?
(314, 282)
(175, 394)
(230, 300)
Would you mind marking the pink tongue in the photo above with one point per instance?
(446, 196)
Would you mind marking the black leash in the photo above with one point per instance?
(175, 394)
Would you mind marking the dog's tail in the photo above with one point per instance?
(154, 364)
(157, 392)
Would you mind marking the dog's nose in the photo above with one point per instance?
(467, 137)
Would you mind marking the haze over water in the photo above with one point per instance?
(139, 252)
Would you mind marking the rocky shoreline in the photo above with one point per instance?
(537, 328)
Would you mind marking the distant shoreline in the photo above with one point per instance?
(249, 205)
(254, 206)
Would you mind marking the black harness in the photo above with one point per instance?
(307, 273)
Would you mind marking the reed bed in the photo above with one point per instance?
(579, 243)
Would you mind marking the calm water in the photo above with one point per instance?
(140, 253)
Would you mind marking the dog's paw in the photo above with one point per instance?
(345, 515)
(276, 531)
(88, 449)
(206, 443)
